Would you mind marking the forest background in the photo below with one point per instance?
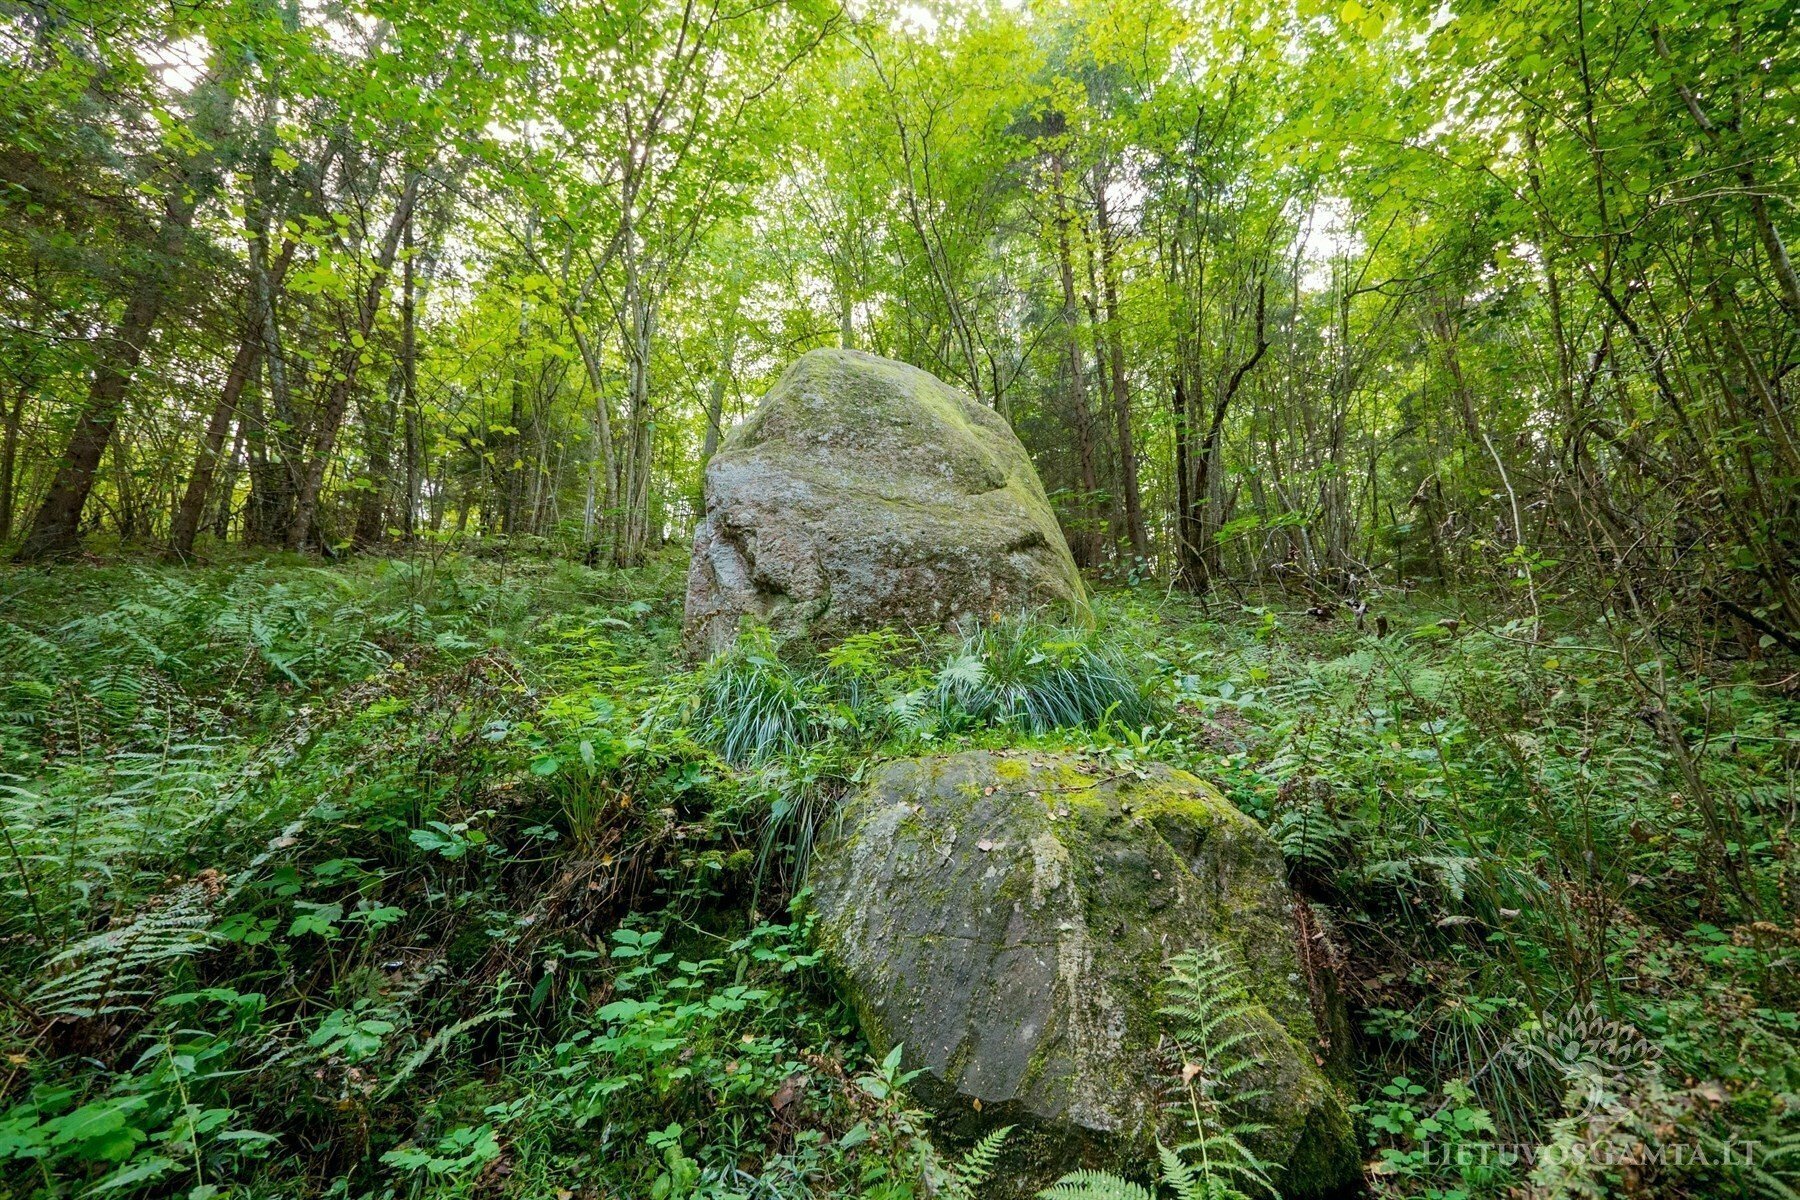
(1368, 292)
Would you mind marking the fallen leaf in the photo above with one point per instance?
(790, 1090)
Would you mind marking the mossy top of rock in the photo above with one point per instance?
(1009, 918)
(834, 409)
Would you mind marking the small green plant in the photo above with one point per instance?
(166, 1116)
(117, 970)
(1099, 1185)
(1428, 1142)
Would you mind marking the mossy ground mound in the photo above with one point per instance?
(1008, 918)
(865, 492)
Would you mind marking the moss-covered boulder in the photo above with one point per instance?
(1008, 919)
(863, 492)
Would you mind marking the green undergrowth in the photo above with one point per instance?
(456, 878)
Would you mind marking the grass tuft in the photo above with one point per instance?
(1023, 674)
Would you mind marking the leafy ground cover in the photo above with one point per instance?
(454, 877)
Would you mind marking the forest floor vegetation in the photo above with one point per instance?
(455, 877)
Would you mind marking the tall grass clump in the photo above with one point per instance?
(1018, 673)
(1021, 673)
(753, 705)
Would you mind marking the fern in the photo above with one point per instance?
(1180, 1178)
(96, 825)
(1209, 1008)
(912, 712)
(1208, 1002)
(1095, 1185)
(1777, 1174)
(1452, 874)
(118, 970)
(1310, 836)
(962, 1178)
(435, 1044)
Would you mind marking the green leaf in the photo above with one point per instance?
(95, 1120)
(317, 919)
(154, 1167)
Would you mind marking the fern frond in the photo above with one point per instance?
(1094, 1185)
(1211, 1012)
(436, 1043)
(1224, 1151)
(1181, 1177)
(116, 971)
(979, 1162)
(1204, 993)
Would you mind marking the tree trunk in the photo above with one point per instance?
(1087, 552)
(337, 401)
(1188, 569)
(222, 516)
(14, 425)
(409, 386)
(256, 342)
(603, 436)
(272, 479)
(1200, 558)
(1446, 326)
(512, 466)
(715, 403)
(1121, 394)
(56, 530)
(264, 512)
(126, 486)
(640, 317)
(193, 502)
(378, 445)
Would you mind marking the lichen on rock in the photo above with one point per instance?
(864, 492)
(1008, 918)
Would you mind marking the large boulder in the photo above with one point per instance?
(863, 492)
(1008, 918)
